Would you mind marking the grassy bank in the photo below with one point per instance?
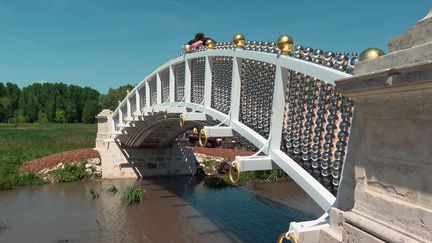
(31, 141)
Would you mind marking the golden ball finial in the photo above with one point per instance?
(119, 101)
(210, 44)
(127, 91)
(370, 53)
(285, 43)
(239, 40)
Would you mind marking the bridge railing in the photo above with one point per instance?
(283, 103)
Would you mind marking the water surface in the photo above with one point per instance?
(178, 210)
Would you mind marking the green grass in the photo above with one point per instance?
(134, 195)
(19, 144)
(262, 175)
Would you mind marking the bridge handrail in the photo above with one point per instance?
(276, 96)
(326, 74)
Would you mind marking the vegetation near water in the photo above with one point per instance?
(70, 172)
(134, 195)
(19, 144)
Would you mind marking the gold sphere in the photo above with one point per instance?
(285, 43)
(370, 53)
(127, 91)
(239, 40)
(210, 44)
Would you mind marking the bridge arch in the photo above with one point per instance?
(285, 105)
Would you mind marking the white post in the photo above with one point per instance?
(171, 84)
(235, 89)
(208, 82)
(147, 94)
(128, 107)
(188, 80)
(278, 107)
(158, 89)
(137, 101)
(120, 116)
(113, 128)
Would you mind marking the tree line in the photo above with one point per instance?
(55, 102)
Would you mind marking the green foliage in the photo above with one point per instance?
(60, 116)
(134, 195)
(27, 142)
(9, 100)
(11, 177)
(208, 162)
(29, 179)
(42, 118)
(264, 175)
(112, 189)
(91, 109)
(56, 102)
(18, 120)
(70, 172)
(215, 182)
(60, 102)
(270, 175)
(110, 100)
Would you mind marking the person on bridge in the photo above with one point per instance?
(196, 43)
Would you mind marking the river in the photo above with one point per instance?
(177, 209)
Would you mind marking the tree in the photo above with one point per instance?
(42, 118)
(110, 100)
(91, 109)
(60, 116)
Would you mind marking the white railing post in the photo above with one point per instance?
(158, 89)
(120, 116)
(147, 94)
(138, 103)
(113, 128)
(278, 107)
(236, 89)
(188, 80)
(208, 82)
(171, 84)
(128, 108)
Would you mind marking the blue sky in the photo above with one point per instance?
(107, 43)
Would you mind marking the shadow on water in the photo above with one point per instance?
(243, 214)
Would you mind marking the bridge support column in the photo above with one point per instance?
(119, 161)
(104, 128)
(385, 193)
(124, 162)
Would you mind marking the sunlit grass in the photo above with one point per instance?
(32, 141)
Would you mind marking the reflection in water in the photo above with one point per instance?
(178, 210)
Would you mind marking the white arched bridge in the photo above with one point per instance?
(284, 105)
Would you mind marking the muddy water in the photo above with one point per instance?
(177, 210)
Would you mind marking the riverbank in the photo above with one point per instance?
(26, 142)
